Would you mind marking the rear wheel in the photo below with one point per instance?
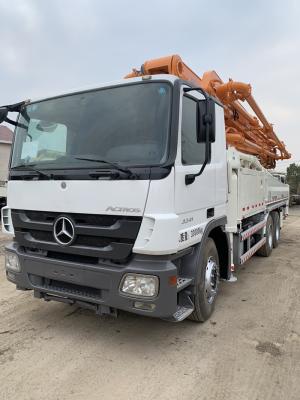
(276, 229)
(266, 249)
(207, 282)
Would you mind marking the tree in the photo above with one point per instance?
(293, 178)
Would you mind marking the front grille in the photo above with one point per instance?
(88, 219)
(97, 237)
(81, 240)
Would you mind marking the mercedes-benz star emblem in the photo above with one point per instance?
(64, 232)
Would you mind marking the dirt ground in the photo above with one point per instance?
(250, 349)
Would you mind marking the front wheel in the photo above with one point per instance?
(207, 282)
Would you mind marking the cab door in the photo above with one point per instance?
(201, 200)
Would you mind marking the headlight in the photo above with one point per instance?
(140, 285)
(12, 262)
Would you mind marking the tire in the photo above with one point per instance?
(266, 249)
(207, 282)
(276, 229)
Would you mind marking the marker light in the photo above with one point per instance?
(144, 306)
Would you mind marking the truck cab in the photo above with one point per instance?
(106, 204)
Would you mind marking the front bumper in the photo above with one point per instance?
(95, 286)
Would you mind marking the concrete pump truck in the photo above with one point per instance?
(142, 194)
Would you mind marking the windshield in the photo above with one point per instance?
(127, 125)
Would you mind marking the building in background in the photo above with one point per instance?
(5, 146)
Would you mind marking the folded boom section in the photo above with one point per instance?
(251, 134)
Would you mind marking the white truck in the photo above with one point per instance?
(120, 198)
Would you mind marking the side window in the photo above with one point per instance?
(193, 153)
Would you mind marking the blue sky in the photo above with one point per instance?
(53, 46)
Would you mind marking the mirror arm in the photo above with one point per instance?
(199, 89)
(16, 107)
(10, 121)
(190, 178)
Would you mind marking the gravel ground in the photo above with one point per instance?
(250, 349)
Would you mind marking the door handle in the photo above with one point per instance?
(210, 212)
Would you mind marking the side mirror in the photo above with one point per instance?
(3, 114)
(206, 116)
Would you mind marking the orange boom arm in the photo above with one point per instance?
(251, 134)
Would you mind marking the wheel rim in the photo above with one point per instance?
(270, 237)
(211, 280)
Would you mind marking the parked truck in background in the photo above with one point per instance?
(5, 145)
(140, 195)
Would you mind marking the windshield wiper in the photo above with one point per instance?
(30, 167)
(112, 164)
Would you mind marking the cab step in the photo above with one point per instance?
(182, 283)
(185, 307)
(180, 314)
